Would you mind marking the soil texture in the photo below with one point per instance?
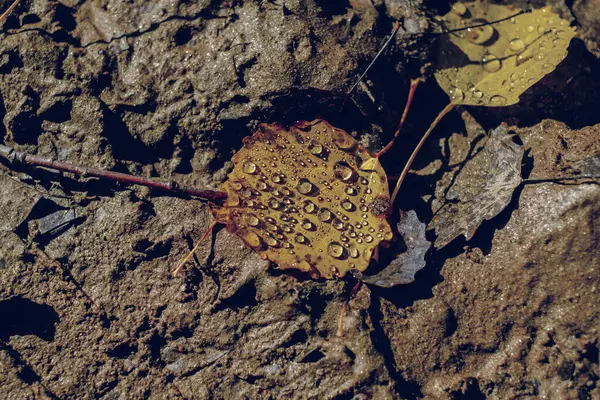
(168, 89)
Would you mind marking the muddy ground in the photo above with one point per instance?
(168, 89)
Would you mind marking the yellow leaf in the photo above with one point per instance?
(308, 198)
(492, 65)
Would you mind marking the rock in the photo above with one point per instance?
(587, 13)
(537, 272)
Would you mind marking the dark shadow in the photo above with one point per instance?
(65, 17)
(245, 296)
(314, 301)
(347, 113)
(210, 260)
(183, 35)
(229, 139)
(9, 61)
(124, 145)
(332, 8)
(425, 279)
(2, 115)
(21, 316)
(23, 122)
(155, 344)
(122, 350)
(429, 100)
(58, 112)
(24, 371)
(41, 208)
(313, 356)
(405, 389)
(30, 19)
(469, 390)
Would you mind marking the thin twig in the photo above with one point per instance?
(564, 178)
(191, 253)
(340, 331)
(437, 119)
(411, 94)
(385, 45)
(9, 10)
(15, 156)
(466, 28)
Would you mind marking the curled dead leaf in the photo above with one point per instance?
(403, 269)
(482, 189)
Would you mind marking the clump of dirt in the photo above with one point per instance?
(88, 307)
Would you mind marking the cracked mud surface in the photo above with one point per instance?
(168, 89)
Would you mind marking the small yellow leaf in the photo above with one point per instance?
(492, 65)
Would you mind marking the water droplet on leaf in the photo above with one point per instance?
(252, 220)
(300, 238)
(497, 100)
(516, 44)
(491, 63)
(459, 9)
(335, 250)
(348, 206)
(480, 34)
(343, 171)
(325, 215)
(338, 224)
(309, 207)
(249, 167)
(457, 95)
(305, 186)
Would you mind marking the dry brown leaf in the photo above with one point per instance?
(482, 189)
(492, 65)
(403, 269)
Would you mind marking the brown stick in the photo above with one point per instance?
(15, 156)
(411, 93)
(179, 267)
(9, 10)
(437, 119)
(340, 330)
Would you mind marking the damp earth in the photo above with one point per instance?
(88, 306)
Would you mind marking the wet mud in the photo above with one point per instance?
(88, 307)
